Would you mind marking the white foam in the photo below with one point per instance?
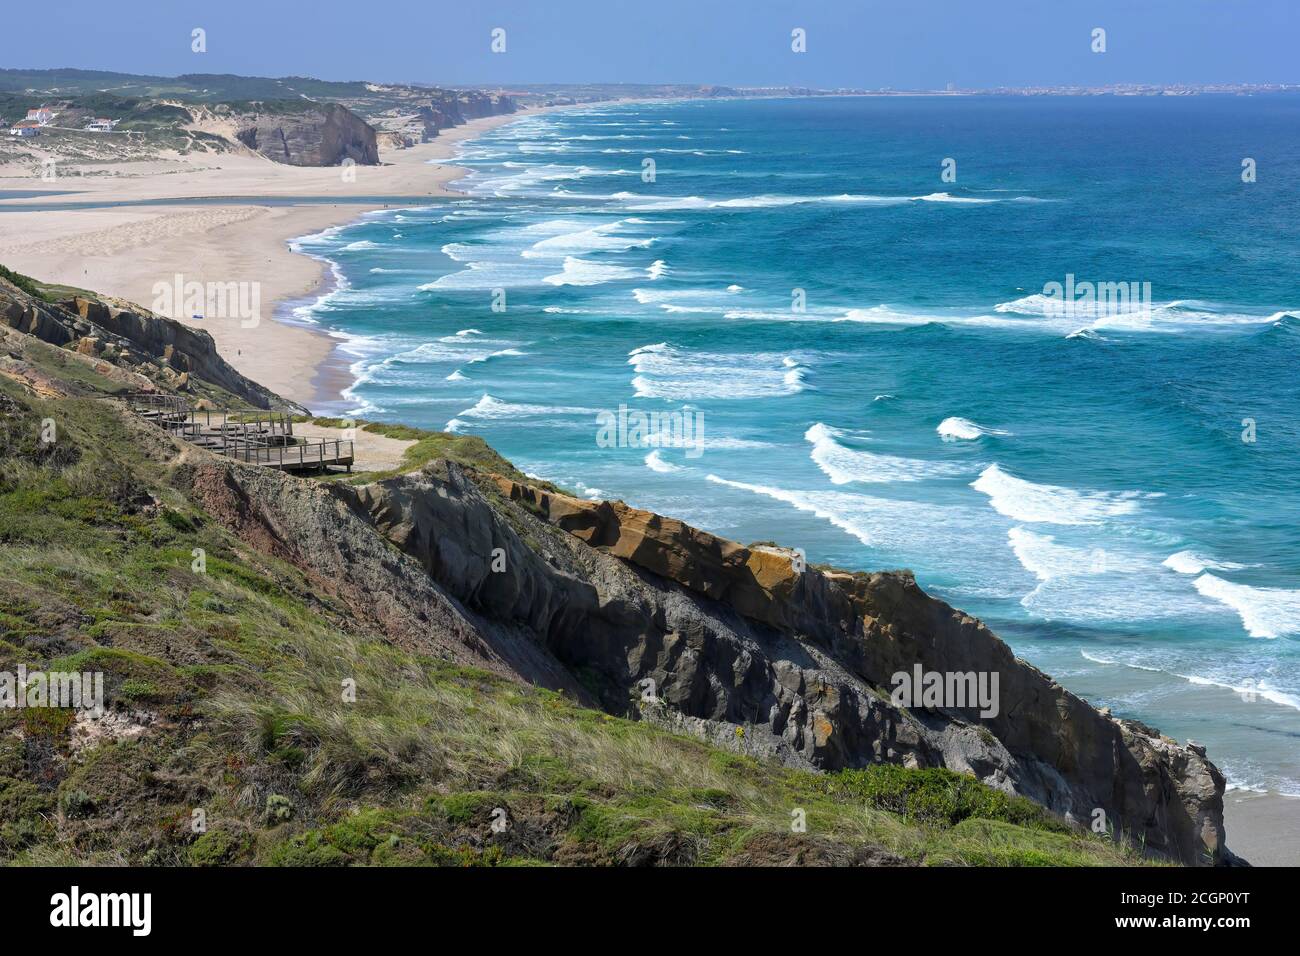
(658, 296)
(772, 200)
(1096, 599)
(884, 315)
(509, 255)
(664, 371)
(1189, 562)
(449, 348)
(485, 274)
(655, 462)
(844, 465)
(904, 531)
(500, 353)
(1246, 689)
(1082, 318)
(734, 443)
(491, 408)
(823, 506)
(948, 197)
(315, 238)
(683, 202)
(1261, 689)
(1264, 612)
(1026, 501)
(585, 272)
(963, 429)
(581, 239)
(1097, 659)
(1046, 559)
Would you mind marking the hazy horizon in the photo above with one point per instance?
(928, 45)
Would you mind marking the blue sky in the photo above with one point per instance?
(905, 44)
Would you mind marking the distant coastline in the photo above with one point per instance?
(123, 251)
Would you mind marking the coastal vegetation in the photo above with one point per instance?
(230, 737)
(227, 686)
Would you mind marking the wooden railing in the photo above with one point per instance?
(250, 435)
(271, 426)
(301, 455)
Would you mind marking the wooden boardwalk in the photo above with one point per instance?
(249, 435)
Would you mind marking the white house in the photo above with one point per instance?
(101, 125)
(42, 115)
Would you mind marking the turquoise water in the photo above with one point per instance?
(1075, 476)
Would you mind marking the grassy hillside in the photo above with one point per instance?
(227, 692)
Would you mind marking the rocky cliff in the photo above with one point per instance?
(322, 135)
(455, 108)
(464, 564)
(734, 644)
(129, 344)
(801, 661)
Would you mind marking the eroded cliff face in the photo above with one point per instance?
(734, 644)
(324, 135)
(452, 108)
(130, 345)
(743, 646)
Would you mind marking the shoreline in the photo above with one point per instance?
(306, 363)
(123, 251)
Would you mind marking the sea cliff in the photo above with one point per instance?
(623, 687)
(323, 135)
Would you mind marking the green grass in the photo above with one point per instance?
(26, 283)
(242, 670)
(46, 291)
(469, 450)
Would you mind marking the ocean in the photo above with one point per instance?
(873, 311)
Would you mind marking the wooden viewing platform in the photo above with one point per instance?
(248, 435)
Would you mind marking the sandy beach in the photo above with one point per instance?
(124, 251)
(1263, 828)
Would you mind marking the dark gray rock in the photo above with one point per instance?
(802, 676)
